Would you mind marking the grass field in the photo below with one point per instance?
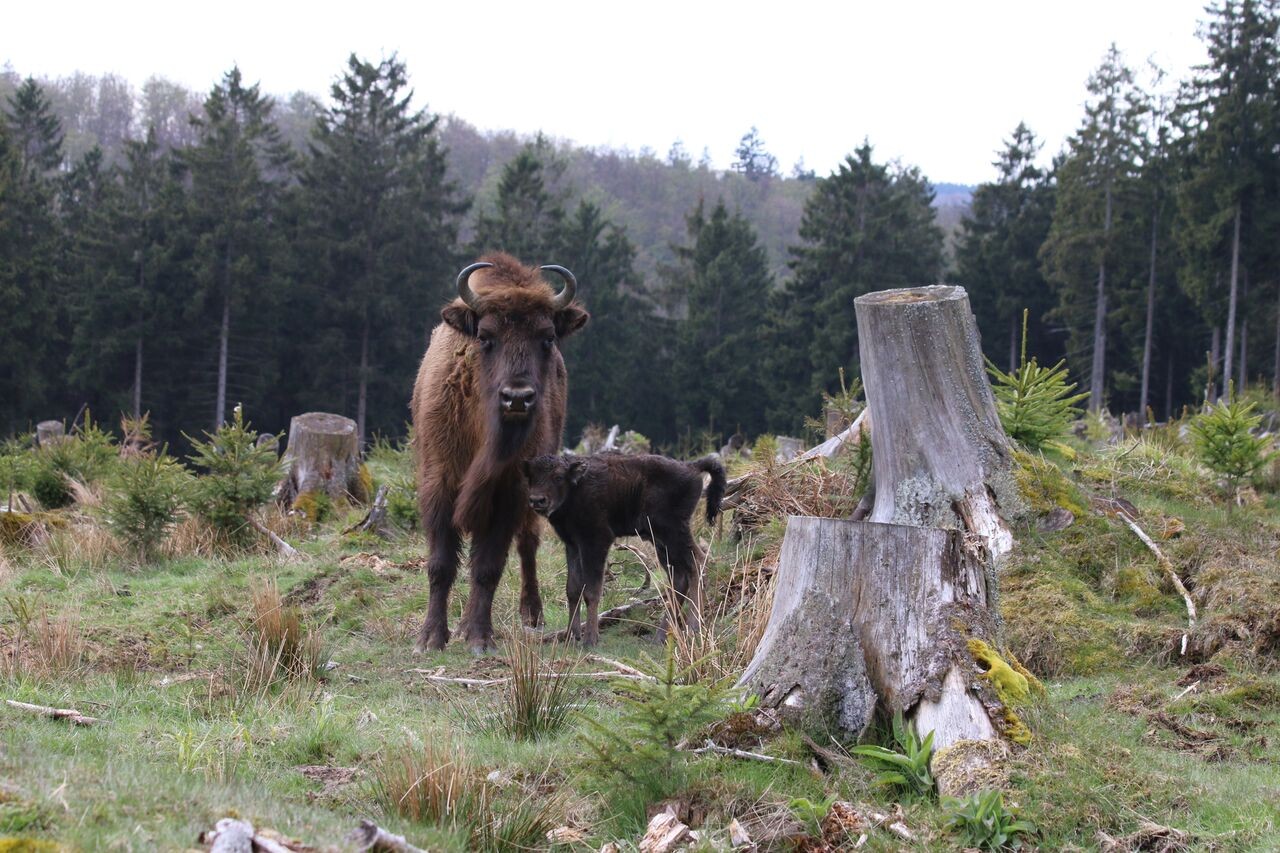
(197, 726)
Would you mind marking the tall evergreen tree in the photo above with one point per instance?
(618, 362)
(237, 170)
(1231, 109)
(1086, 242)
(997, 253)
(722, 277)
(866, 227)
(30, 153)
(527, 215)
(383, 211)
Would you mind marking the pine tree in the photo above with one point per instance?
(30, 152)
(617, 363)
(1230, 109)
(999, 241)
(527, 216)
(1090, 239)
(751, 158)
(237, 170)
(866, 227)
(722, 277)
(383, 214)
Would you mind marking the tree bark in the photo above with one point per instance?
(1097, 371)
(879, 614)
(1151, 315)
(137, 379)
(220, 408)
(322, 457)
(1231, 303)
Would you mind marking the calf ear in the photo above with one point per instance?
(460, 317)
(577, 468)
(569, 320)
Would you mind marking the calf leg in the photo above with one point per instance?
(573, 590)
(442, 568)
(680, 557)
(593, 562)
(527, 547)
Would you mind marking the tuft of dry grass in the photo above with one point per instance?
(819, 487)
(538, 699)
(82, 544)
(437, 786)
(41, 644)
(280, 649)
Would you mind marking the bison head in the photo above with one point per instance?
(550, 479)
(517, 323)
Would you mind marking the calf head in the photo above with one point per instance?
(551, 479)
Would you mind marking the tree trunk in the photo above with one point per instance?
(1097, 370)
(364, 384)
(137, 379)
(1243, 381)
(1151, 317)
(1168, 390)
(1229, 351)
(1013, 343)
(322, 458)
(1215, 357)
(220, 408)
(883, 614)
(1275, 367)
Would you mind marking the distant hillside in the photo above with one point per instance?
(649, 195)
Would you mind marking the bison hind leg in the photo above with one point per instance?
(527, 547)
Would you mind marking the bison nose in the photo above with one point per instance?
(518, 398)
(537, 502)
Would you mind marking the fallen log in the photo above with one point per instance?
(368, 836)
(282, 546)
(69, 714)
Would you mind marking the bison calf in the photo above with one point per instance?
(592, 500)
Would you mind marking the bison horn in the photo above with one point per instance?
(464, 290)
(564, 297)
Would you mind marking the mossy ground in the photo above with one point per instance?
(1116, 738)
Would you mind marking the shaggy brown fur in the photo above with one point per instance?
(469, 447)
(592, 500)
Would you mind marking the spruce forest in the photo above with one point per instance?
(988, 557)
(175, 252)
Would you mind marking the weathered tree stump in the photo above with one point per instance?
(50, 433)
(898, 613)
(323, 458)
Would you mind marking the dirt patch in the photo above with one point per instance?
(1202, 673)
(330, 779)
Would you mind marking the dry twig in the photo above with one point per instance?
(72, 716)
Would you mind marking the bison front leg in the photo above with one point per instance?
(593, 561)
(527, 547)
(488, 556)
(442, 568)
(573, 586)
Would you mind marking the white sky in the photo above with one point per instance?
(935, 84)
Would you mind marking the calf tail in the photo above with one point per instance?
(712, 465)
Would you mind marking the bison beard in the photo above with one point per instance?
(490, 393)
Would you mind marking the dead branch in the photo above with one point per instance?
(284, 547)
(630, 670)
(375, 519)
(608, 617)
(70, 715)
(858, 431)
(742, 753)
(430, 675)
(368, 836)
(1167, 567)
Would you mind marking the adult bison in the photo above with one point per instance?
(490, 393)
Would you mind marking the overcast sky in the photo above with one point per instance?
(934, 84)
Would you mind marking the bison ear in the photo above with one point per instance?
(577, 468)
(569, 320)
(460, 317)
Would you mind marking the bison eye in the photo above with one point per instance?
(486, 342)
(548, 343)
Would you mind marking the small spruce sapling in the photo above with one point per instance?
(239, 476)
(146, 501)
(1223, 438)
(1035, 403)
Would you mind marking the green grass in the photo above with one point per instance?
(176, 756)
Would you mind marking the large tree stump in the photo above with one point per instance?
(323, 458)
(895, 612)
(50, 432)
